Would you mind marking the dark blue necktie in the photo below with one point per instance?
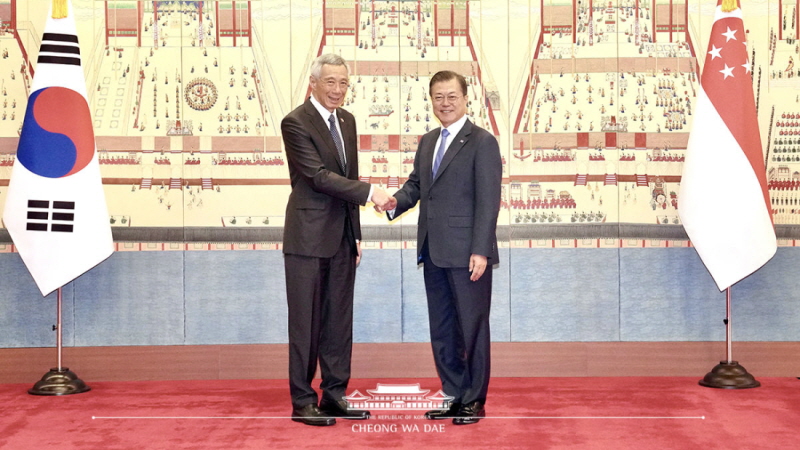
(336, 139)
(440, 152)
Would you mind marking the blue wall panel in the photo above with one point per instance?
(500, 315)
(226, 297)
(564, 294)
(27, 318)
(668, 295)
(235, 297)
(132, 298)
(377, 308)
(415, 305)
(766, 305)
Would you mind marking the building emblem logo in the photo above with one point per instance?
(398, 397)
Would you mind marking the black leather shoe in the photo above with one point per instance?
(311, 415)
(339, 409)
(449, 413)
(470, 413)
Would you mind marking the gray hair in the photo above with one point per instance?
(330, 59)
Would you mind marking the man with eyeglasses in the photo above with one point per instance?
(321, 243)
(457, 180)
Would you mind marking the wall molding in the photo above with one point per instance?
(402, 360)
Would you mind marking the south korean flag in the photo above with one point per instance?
(56, 211)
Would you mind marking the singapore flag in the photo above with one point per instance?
(56, 211)
(725, 206)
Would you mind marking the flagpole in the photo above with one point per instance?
(729, 374)
(59, 380)
(728, 325)
(59, 343)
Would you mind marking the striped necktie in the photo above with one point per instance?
(337, 140)
(440, 152)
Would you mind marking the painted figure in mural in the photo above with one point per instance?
(457, 180)
(322, 243)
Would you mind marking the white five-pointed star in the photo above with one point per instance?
(727, 71)
(715, 52)
(746, 67)
(730, 34)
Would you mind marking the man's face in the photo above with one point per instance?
(449, 103)
(331, 87)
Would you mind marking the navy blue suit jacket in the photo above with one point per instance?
(458, 210)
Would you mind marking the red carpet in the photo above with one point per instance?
(522, 413)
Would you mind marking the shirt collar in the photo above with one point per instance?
(456, 126)
(322, 110)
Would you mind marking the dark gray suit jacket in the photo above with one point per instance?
(458, 210)
(323, 195)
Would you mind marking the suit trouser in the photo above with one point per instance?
(458, 312)
(319, 292)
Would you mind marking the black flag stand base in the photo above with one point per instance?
(729, 374)
(60, 380)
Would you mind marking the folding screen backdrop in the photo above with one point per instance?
(592, 103)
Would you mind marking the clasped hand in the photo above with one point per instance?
(383, 201)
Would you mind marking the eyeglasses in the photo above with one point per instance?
(343, 85)
(449, 98)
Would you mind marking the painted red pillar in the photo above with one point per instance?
(106, 26)
(233, 5)
(653, 20)
(436, 24)
(216, 19)
(249, 24)
(139, 19)
(357, 11)
(574, 21)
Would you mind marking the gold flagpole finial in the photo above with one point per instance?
(729, 5)
(59, 9)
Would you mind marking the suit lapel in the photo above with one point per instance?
(426, 158)
(322, 129)
(455, 146)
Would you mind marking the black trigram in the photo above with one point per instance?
(60, 48)
(61, 218)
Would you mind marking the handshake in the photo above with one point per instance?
(383, 201)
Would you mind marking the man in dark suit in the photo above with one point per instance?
(321, 243)
(457, 180)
